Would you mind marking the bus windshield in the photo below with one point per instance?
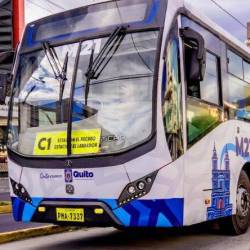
(117, 113)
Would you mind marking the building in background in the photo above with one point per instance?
(11, 26)
(36, 9)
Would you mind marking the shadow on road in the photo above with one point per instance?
(138, 238)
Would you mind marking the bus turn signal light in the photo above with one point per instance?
(98, 211)
(41, 209)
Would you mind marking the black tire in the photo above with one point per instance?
(238, 224)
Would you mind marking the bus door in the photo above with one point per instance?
(203, 112)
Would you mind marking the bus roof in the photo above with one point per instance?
(205, 21)
(224, 35)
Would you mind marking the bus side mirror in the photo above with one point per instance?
(6, 63)
(196, 56)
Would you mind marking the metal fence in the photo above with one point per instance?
(3, 168)
(6, 35)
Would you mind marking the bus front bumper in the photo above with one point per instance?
(89, 214)
(101, 212)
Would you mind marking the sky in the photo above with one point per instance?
(240, 9)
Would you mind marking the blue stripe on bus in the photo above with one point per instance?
(17, 208)
(142, 222)
(29, 209)
(138, 213)
(162, 221)
(152, 213)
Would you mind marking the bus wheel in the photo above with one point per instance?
(239, 223)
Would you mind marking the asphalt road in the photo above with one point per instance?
(192, 238)
(4, 189)
(4, 197)
(4, 185)
(7, 224)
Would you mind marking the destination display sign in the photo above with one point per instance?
(55, 143)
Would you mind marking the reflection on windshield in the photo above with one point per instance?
(118, 114)
(111, 16)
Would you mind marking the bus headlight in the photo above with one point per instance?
(131, 189)
(20, 191)
(141, 185)
(137, 189)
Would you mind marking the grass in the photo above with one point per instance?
(5, 207)
(5, 203)
(32, 232)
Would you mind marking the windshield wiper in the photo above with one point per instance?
(63, 79)
(32, 89)
(28, 94)
(97, 65)
(60, 72)
(53, 59)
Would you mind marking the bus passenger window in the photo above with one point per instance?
(235, 64)
(246, 67)
(193, 87)
(237, 101)
(209, 87)
(203, 113)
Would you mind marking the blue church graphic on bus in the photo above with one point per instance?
(220, 205)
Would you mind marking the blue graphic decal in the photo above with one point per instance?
(232, 147)
(17, 208)
(24, 211)
(163, 221)
(112, 203)
(139, 213)
(152, 213)
(142, 221)
(29, 209)
(220, 196)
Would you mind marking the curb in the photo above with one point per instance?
(6, 209)
(32, 232)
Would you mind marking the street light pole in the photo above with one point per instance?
(248, 34)
(18, 21)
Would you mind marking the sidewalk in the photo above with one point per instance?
(13, 231)
(8, 224)
(4, 196)
(4, 185)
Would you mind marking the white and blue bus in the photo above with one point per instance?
(131, 113)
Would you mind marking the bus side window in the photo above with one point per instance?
(208, 89)
(193, 87)
(171, 96)
(237, 98)
(203, 111)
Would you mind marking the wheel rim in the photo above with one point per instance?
(243, 202)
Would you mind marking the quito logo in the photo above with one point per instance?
(83, 175)
(68, 175)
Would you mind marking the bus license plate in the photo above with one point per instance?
(70, 214)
